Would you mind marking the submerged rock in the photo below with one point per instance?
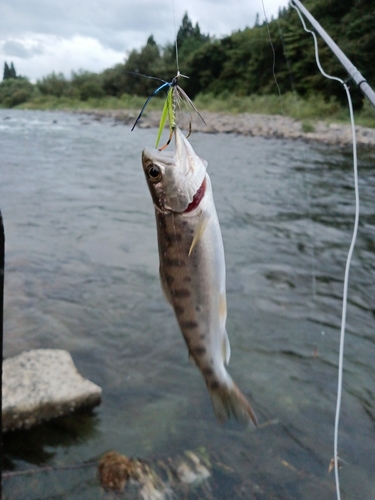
(157, 480)
(42, 384)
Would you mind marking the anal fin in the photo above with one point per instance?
(225, 348)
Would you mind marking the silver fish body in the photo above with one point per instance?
(192, 267)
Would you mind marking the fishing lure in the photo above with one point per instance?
(175, 96)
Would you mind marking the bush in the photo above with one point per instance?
(14, 91)
(54, 84)
(90, 90)
(88, 85)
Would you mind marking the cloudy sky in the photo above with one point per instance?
(41, 36)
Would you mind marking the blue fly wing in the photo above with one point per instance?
(147, 101)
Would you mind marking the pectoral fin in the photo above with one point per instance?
(202, 224)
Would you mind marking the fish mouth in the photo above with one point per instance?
(155, 155)
(183, 149)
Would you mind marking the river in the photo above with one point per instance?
(82, 275)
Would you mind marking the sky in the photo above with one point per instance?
(61, 36)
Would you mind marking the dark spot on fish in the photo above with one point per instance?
(167, 238)
(208, 371)
(179, 310)
(189, 325)
(186, 279)
(172, 237)
(184, 222)
(202, 336)
(162, 221)
(173, 262)
(169, 279)
(198, 308)
(180, 293)
(198, 351)
(214, 385)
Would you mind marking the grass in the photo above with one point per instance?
(126, 102)
(305, 109)
(307, 127)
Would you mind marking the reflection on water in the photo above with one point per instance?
(39, 448)
(82, 275)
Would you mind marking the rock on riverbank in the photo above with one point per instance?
(253, 125)
(42, 384)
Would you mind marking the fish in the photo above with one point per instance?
(192, 267)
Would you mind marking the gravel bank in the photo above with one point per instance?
(253, 125)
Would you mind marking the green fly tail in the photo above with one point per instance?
(168, 112)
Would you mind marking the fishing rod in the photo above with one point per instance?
(350, 68)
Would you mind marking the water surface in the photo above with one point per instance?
(82, 275)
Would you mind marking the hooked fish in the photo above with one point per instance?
(192, 267)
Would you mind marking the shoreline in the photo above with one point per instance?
(276, 126)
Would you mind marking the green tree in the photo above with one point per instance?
(147, 61)
(9, 72)
(6, 71)
(54, 84)
(87, 85)
(14, 91)
(12, 71)
(205, 69)
(241, 63)
(115, 81)
(189, 39)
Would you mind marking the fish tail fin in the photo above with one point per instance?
(228, 400)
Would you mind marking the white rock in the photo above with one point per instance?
(42, 384)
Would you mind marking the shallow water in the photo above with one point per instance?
(82, 275)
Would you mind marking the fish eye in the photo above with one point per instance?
(154, 173)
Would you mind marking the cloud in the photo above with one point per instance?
(49, 53)
(41, 36)
(18, 49)
(113, 21)
(109, 22)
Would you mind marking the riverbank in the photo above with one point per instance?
(250, 124)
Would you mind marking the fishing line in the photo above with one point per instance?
(175, 37)
(285, 56)
(274, 58)
(349, 257)
(306, 184)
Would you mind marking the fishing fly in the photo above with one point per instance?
(175, 97)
